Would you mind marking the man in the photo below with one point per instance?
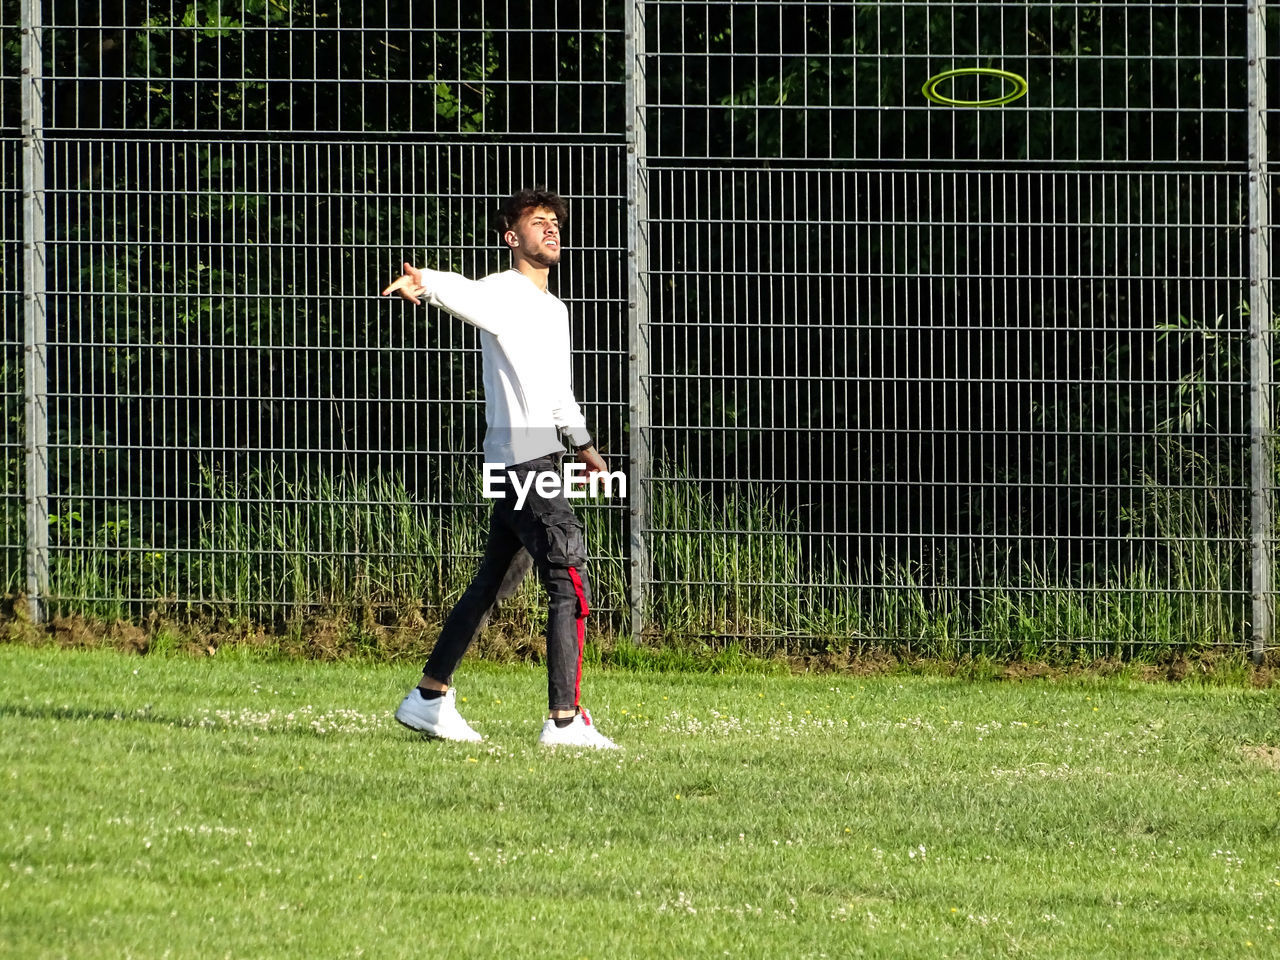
(529, 405)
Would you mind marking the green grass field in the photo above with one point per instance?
(167, 806)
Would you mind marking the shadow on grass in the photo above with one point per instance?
(299, 721)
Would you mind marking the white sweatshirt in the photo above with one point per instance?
(528, 380)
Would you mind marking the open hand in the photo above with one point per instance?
(409, 285)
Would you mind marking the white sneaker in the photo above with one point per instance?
(436, 718)
(581, 733)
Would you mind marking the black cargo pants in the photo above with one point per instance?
(544, 534)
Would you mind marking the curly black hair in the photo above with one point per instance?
(515, 206)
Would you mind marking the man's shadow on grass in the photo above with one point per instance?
(139, 715)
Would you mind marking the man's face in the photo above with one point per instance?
(536, 236)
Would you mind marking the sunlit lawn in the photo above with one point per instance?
(169, 806)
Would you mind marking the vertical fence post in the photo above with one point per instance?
(637, 313)
(34, 281)
(1260, 332)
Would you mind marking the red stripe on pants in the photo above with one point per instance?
(582, 630)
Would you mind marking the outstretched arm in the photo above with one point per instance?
(469, 300)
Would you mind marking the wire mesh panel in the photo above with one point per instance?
(12, 538)
(944, 374)
(239, 423)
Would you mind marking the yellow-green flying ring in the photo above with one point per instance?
(930, 89)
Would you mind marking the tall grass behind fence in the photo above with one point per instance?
(12, 462)
(738, 569)
(326, 544)
(279, 550)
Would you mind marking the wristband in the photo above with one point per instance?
(584, 446)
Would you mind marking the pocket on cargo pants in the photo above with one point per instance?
(566, 542)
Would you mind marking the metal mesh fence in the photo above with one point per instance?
(236, 420)
(12, 541)
(1117, 82)
(879, 369)
(948, 374)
